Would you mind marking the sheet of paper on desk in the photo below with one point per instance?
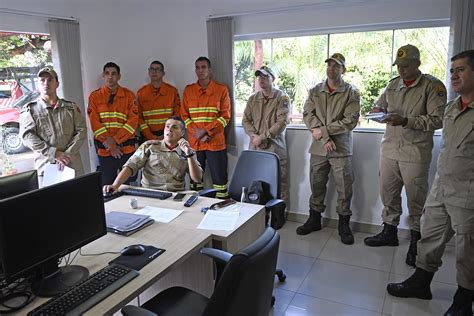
(160, 214)
(218, 220)
(53, 175)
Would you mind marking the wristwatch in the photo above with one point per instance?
(192, 153)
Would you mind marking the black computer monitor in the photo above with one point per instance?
(39, 227)
(18, 183)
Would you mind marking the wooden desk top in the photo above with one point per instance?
(192, 216)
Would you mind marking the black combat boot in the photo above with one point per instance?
(345, 230)
(312, 224)
(418, 286)
(462, 303)
(388, 237)
(412, 250)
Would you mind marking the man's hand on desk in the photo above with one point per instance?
(109, 189)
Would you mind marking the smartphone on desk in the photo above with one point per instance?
(179, 196)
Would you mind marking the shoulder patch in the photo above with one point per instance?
(356, 94)
(440, 90)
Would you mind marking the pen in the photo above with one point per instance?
(152, 256)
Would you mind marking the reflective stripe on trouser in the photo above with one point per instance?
(439, 223)
(343, 178)
(393, 176)
(217, 162)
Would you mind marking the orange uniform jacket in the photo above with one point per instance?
(155, 106)
(208, 109)
(118, 120)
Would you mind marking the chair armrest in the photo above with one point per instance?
(218, 255)
(131, 310)
(211, 193)
(274, 203)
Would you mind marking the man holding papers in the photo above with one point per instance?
(53, 128)
(164, 162)
(414, 103)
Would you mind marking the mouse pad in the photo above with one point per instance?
(138, 262)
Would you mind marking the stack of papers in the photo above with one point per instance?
(126, 223)
(377, 117)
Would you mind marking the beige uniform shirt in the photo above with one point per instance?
(45, 129)
(163, 169)
(268, 119)
(423, 103)
(336, 114)
(454, 182)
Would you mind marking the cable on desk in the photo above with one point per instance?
(98, 254)
(20, 288)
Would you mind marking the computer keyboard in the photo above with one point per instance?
(110, 197)
(147, 193)
(88, 293)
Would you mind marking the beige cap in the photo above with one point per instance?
(48, 70)
(406, 54)
(265, 71)
(338, 58)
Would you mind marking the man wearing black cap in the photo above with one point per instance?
(331, 112)
(53, 128)
(265, 118)
(415, 103)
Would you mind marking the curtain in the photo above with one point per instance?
(461, 34)
(66, 54)
(220, 45)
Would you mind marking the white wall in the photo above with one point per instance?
(134, 32)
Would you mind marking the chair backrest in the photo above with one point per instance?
(255, 165)
(246, 284)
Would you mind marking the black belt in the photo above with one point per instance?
(128, 142)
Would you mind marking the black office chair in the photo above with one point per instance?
(244, 288)
(264, 166)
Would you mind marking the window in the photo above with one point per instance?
(299, 63)
(21, 57)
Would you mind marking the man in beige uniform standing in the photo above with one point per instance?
(53, 128)
(449, 209)
(265, 118)
(415, 103)
(331, 112)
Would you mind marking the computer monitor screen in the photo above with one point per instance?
(18, 183)
(39, 227)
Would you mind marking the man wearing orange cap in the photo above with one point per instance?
(113, 115)
(265, 118)
(415, 104)
(157, 101)
(331, 112)
(53, 128)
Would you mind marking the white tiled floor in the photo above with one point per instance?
(326, 277)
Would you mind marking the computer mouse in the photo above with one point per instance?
(108, 193)
(133, 250)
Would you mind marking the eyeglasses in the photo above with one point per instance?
(155, 69)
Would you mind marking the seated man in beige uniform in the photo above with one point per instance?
(265, 118)
(415, 104)
(164, 162)
(449, 209)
